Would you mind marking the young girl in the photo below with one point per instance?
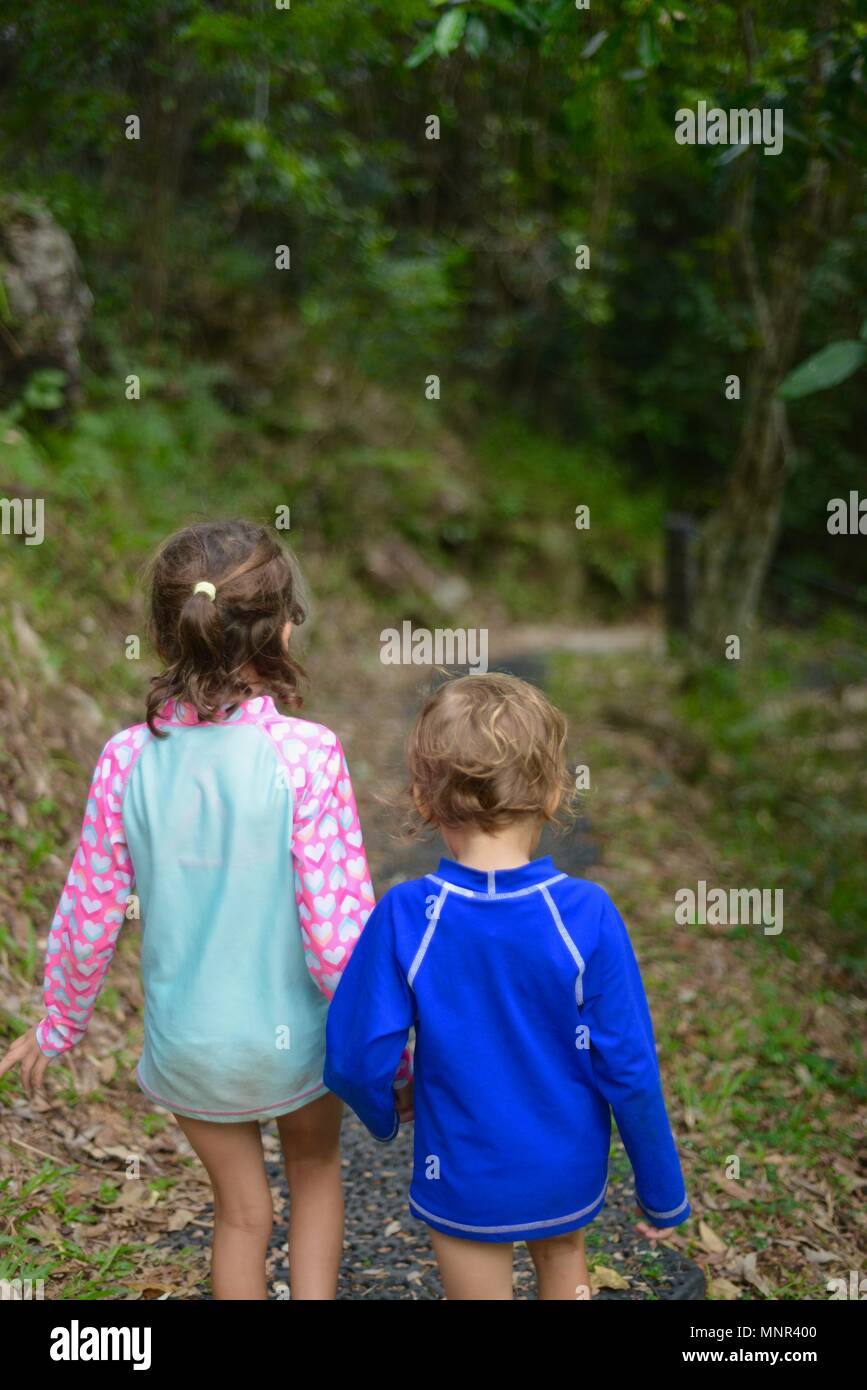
(237, 829)
(530, 1016)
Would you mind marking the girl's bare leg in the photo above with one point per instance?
(473, 1269)
(243, 1214)
(311, 1149)
(561, 1266)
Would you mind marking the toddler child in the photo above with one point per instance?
(530, 1015)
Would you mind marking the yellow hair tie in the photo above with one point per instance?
(204, 586)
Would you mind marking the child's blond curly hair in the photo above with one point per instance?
(487, 750)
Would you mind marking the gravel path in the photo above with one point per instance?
(388, 1254)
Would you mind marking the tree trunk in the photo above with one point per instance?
(738, 541)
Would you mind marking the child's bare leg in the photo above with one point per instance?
(561, 1266)
(311, 1149)
(243, 1214)
(473, 1269)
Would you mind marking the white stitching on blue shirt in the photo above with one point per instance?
(515, 893)
(663, 1215)
(426, 939)
(525, 1226)
(570, 944)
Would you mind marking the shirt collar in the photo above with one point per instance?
(247, 711)
(497, 880)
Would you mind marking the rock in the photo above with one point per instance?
(397, 567)
(86, 710)
(30, 646)
(47, 302)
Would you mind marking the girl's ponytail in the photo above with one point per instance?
(200, 630)
(221, 594)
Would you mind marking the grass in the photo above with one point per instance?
(33, 1216)
(741, 778)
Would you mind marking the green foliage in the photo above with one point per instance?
(409, 256)
(44, 389)
(787, 796)
(827, 367)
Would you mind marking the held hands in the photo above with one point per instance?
(403, 1102)
(27, 1051)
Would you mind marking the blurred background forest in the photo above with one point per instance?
(561, 384)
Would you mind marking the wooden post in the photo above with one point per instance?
(681, 534)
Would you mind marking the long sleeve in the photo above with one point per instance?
(623, 1054)
(332, 881)
(91, 910)
(368, 1024)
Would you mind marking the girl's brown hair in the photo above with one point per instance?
(210, 646)
(487, 750)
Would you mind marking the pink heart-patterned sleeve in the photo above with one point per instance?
(92, 906)
(332, 881)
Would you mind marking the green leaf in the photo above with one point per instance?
(828, 367)
(513, 11)
(449, 32)
(862, 331)
(5, 313)
(595, 44)
(733, 152)
(476, 38)
(648, 51)
(44, 389)
(421, 52)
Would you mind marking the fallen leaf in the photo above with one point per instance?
(820, 1257)
(723, 1289)
(710, 1240)
(147, 1288)
(746, 1265)
(107, 1070)
(603, 1278)
(132, 1194)
(741, 1191)
(180, 1218)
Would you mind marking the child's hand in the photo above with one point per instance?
(651, 1233)
(403, 1101)
(27, 1051)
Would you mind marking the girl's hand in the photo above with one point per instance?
(403, 1101)
(27, 1051)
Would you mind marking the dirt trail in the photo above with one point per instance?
(394, 694)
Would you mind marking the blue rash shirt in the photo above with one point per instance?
(531, 1026)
